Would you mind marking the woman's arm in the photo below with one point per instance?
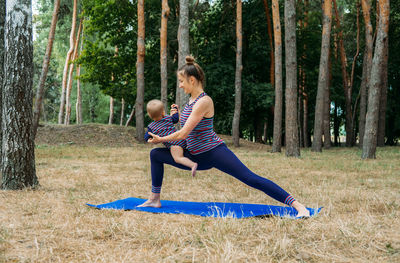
(203, 107)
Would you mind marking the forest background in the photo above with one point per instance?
(109, 49)
(97, 163)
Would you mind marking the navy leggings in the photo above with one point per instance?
(224, 160)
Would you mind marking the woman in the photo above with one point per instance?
(204, 146)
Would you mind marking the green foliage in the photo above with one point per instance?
(113, 23)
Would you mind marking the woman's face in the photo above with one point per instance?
(185, 83)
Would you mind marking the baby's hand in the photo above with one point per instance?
(174, 109)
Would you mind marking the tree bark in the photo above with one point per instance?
(45, 68)
(183, 50)
(366, 70)
(353, 116)
(18, 147)
(272, 57)
(372, 119)
(238, 74)
(141, 49)
(336, 125)
(277, 134)
(291, 127)
(66, 66)
(383, 97)
(306, 136)
(70, 77)
(323, 75)
(346, 83)
(163, 53)
(327, 108)
(122, 112)
(111, 117)
(300, 110)
(128, 121)
(78, 109)
(265, 131)
(303, 88)
(78, 106)
(2, 53)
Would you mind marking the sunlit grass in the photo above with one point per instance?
(359, 221)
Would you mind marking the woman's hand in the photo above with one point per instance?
(154, 138)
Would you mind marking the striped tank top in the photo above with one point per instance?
(202, 138)
(165, 127)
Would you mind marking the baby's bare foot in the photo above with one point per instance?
(194, 169)
(151, 203)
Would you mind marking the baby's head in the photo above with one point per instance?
(155, 109)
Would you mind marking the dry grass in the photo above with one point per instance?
(359, 222)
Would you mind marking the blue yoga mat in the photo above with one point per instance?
(210, 209)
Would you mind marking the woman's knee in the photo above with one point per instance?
(155, 153)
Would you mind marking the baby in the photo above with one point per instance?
(163, 125)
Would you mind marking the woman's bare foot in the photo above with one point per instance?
(302, 211)
(151, 203)
(194, 169)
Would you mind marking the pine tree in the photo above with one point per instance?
(291, 127)
(238, 74)
(277, 141)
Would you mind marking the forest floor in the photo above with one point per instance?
(99, 163)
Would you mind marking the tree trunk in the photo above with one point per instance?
(141, 49)
(300, 110)
(122, 112)
(70, 77)
(272, 57)
(163, 53)
(353, 116)
(277, 134)
(78, 106)
(18, 153)
(371, 125)
(44, 113)
(128, 121)
(2, 50)
(336, 125)
(327, 108)
(183, 50)
(111, 117)
(265, 131)
(383, 97)
(366, 70)
(306, 136)
(291, 127)
(238, 74)
(303, 88)
(346, 83)
(323, 75)
(45, 68)
(78, 109)
(66, 66)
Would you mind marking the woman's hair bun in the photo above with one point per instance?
(189, 60)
